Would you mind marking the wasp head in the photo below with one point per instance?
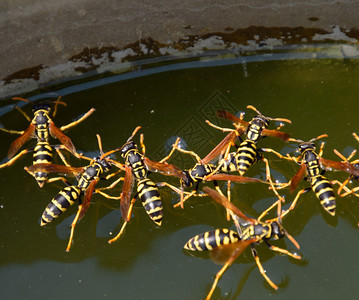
(277, 231)
(188, 181)
(303, 147)
(127, 147)
(261, 121)
(106, 166)
(41, 106)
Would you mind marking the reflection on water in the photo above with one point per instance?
(319, 96)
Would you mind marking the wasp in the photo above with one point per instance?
(247, 152)
(41, 127)
(203, 170)
(137, 169)
(311, 164)
(87, 178)
(227, 245)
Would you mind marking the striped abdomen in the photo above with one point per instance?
(42, 154)
(211, 239)
(323, 189)
(246, 156)
(230, 164)
(64, 199)
(151, 199)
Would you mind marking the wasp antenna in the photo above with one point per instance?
(280, 120)
(253, 108)
(20, 99)
(295, 140)
(99, 144)
(318, 137)
(133, 133)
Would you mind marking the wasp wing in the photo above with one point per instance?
(221, 147)
(64, 139)
(53, 168)
(21, 140)
(297, 177)
(236, 178)
(227, 204)
(340, 166)
(164, 168)
(126, 193)
(87, 198)
(229, 253)
(276, 133)
(227, 115)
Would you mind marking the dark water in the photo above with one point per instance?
(319, 96)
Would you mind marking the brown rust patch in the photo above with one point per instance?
(149, 48)
(88, 54)
(289, 35)
(29, 73)
(313, 19)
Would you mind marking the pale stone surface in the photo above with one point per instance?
(49, 32)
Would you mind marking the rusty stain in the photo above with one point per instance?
(149, 48)
(313, 19)
(29, 73)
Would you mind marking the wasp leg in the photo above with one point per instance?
(219, 128)
(74, 222)
(113, 184)
(174, 147)
(263, 214)
(179, 192)
(292, 206)
(269, 179)
(189, 152)
(296, 159)
(64, 180)
(218, 276)
(283, 251)
(342, 186)
(12, 160)
(12, 131)
(74, 123)
(352, 191)
(124, 224)
(261, 270)
(57, 148)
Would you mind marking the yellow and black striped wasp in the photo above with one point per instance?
(247, 151)
(41, 127)
(311, 164)
(137, 168)
(87, 178)
(204, 170)
(227, 245)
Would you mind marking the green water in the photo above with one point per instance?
(319, 96)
